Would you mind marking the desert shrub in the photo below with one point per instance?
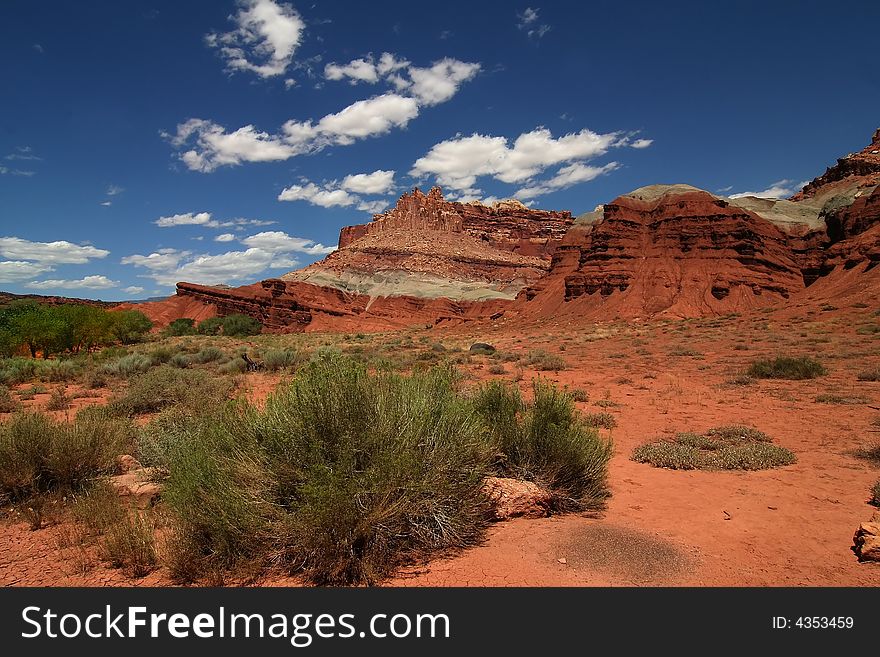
(161, 355)
(130, 544)
(98, 507)
(8, 403)
(207, 355)
(833, 398)
(543, 362)
(680, 350)
(869, 453)
(56, 371)
(182, 326)
(128, 365)
(210, 326)
(872, 374)
(547, 442)
(38, 455)
(58, 400)
(875, 494)
(579, 395)
(741, 380)
(344, 474)
(278, 359)
(723, 448)
(180, 361)
(603, 420)
(868, 329)
(234, 366)
(497, 368)
(165, 386)
(787, 367)
(17, 370)
(94, 378)
(241, 326)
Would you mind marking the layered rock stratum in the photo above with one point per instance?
(661, 250)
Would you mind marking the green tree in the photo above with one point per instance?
(210, 326)
(182, 326)
(129, 326)
(241, 325)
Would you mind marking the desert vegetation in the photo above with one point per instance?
(722, 448)
(787, 367)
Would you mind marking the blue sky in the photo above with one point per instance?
(222, 141)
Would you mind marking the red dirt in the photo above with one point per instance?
(787, 526)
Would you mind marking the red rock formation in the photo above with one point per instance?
(863, 165)
(507, 225)
(668, 250)
(674, 250)
(429, 247)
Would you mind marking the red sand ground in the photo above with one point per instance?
(786, 526)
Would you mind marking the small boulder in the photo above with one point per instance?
(482, 348)
(137, 485)
(127, 463)
(867, 540)
(512, 498)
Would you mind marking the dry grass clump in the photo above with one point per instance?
(872, 374)
(38, 455)
(166, 386)
(723, 448)
(602, 419)
(787, 367)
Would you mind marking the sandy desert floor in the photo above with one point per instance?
(787, 526)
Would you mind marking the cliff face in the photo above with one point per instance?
(432, 248)
(507, 225)
(678, 250)
(424, 260)
(662, 250)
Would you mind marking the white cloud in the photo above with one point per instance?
(85, 283)
(206, 219)
(378, 182)
(357, 70)
(373, 207)
(186, 219)
(457, 163)
(205, 145)
(430, 86)
(60, 252)
(113, 190)
(106, 204)
(441, 81)
(225, 237)
(159, 261)
(365, 118)
(213, 147)
(642, 143)
(16, 172)
(264, 40)
(133, 289)
(277, 241)
(266, 250)
(779, 189)
(344, 194)
(567, 176)
(12, 271)
(526, 18)
(527, 21)
(326, 198)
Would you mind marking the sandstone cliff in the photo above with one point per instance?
(671, 250)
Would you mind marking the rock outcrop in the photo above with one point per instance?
(866, 541)
(429, 247)
(671, 250)
(513, 498)
(680, 251)
(426, 260)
